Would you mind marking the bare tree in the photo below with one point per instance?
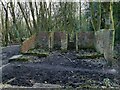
(33, 16)
(95, 15)
(26, 20)
(6, 32)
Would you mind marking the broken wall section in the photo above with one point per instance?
(43, 40)
(28, 44)
(85, 39)
(104, 43)
(101, 40)
(60, 40)
(52, 40)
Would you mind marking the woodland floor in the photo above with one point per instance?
(63, 69)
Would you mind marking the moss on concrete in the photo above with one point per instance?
(20, 59)
(37, 54)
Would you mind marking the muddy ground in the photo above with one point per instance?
(64, 69)
(7, 52)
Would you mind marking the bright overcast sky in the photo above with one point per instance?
(63, 0)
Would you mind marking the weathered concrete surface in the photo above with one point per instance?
(57, 40)
(101, 40)
(85, 39)
(71, 41)
(36, 86)
(28, 44)
(42, 40)
(64, 39)
(60, 40)
(104, 43)
(51, 40)
(43, 85)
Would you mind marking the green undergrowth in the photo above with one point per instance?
(20, 59)
(29, 56)
(64, 51)
(37, 52)
(86, 48)
(91, 87)
(89, 56)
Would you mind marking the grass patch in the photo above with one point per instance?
(37, 52)
(86, 48)
(63, 51)
(87, 87)
(89, 56)
(20, 59)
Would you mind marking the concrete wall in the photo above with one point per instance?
(64, 39)
(57, 40)
(104, 43)
(60, 40)
(51, 40)
(43, 40)
(29, 43)
(101, 40)
(86, 39)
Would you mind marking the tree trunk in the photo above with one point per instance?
(33, 16)
(27, 23)
(14, 21)
(6, 24)
(96, 16)
(2, 28)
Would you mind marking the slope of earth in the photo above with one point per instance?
(64, 69)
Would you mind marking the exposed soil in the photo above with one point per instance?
(8, 52)
(64, 69)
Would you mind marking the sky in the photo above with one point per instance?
(65, 0)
